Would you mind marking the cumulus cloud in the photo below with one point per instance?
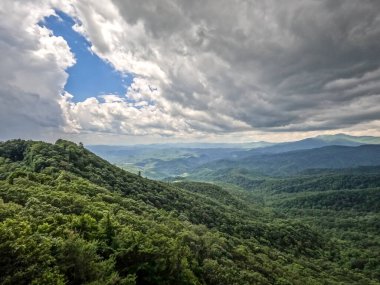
(289, 65)
(209, 67)
(116, 115)
(32, 72)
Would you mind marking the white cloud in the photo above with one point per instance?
(32, 72)
(201, 68)
(260, 65)
(117, 115)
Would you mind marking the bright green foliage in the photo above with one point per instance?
(69, 217)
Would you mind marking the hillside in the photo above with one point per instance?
(315, 142)
(70, 217)
(159, 161)
(293, 162)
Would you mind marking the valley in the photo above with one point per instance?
(69, 217)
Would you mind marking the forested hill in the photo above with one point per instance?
(70, 217)
(315, 142)
(293, 162)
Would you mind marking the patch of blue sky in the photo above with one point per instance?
(90, 76)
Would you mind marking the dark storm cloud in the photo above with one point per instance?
(199, 67)
(269, 64)
(25, 114)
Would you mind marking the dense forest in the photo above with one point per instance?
(69, 217)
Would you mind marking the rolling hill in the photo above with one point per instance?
(292, 162)
(166, 160)
(70, 217)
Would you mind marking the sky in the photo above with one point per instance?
(121, 72)
(90, 75)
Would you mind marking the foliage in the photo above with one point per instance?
(69, 217)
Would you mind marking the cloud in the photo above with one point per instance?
(117, 115)
(270, 66)
(32, 72)
(213, 67)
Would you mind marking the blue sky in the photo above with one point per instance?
(233, 73)
(90, 76)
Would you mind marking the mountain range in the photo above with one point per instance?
(69, 217)
(168, 160)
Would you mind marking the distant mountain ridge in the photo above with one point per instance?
(353, 139)
(165, 160)
(321, 140)
(316, 142)
(291, 162)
